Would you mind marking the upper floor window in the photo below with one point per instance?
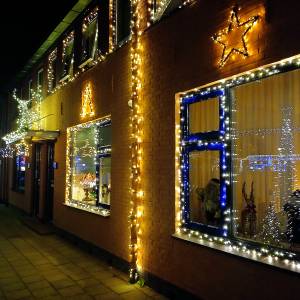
(40, 79)
(68, 56)
(123, 20)
(164, 7)
(89, 37)
(30, 89)
(51, 74)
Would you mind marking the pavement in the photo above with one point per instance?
(34, 266)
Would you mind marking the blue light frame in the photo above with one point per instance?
(204, 141)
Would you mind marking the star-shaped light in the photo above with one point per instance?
(233, 38)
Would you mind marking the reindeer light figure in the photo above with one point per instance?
(248, 215)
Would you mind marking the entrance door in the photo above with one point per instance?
(50, 183)
(36, 180)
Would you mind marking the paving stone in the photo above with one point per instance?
(20, 294)
(56, 297)
(32, 278)
(44, 292)
(113, 281)
(98, 289)
(63, 283)
(79, 275)
(108, 296)
(9, 280)
(122, 288)
(88, 282)
(71, 291)
(38, 285)
(80, 297)
(102, 275)
(15, 286)
(27, 271)
(135, 295)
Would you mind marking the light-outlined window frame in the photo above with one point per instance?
(204, 141)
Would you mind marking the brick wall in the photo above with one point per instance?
(178, 54)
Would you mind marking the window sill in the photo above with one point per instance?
(285, 264)
(88, 208)
(86, 62)
(65, 78)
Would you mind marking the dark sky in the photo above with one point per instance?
(24, 26)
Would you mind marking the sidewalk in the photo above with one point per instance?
(48, 267)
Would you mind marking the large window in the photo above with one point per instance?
(89, 166)
(266, 165)
(68, 56)
(240, 162)
(89, 37)
(51, 74)
(19, 177)
(123, 19)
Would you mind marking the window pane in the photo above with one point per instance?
(104, 179)
(68, 55)
(52, 59)
(105, 136)
(204, 179)
(267, 160)
(123, 19)
(204, 116)
(90, 36)
(162, 7)
(40, 78)
(83, 165)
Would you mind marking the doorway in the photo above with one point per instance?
(36, 179)
(48, 216)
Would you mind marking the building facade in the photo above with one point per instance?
(166, 134)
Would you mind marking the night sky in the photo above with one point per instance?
(24, 26)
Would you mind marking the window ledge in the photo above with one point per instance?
(289, 265)
(88, 208)
(86, 62)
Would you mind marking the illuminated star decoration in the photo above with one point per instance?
(233, 38)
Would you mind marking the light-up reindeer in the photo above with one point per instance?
(248, 215)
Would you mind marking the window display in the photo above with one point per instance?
(89, 165)
(204, 176)
(266, 161)
(238, 181)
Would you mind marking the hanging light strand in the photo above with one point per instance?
(136, 210)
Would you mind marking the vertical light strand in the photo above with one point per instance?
(136, 209)
(68, 166)
(112, 25)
